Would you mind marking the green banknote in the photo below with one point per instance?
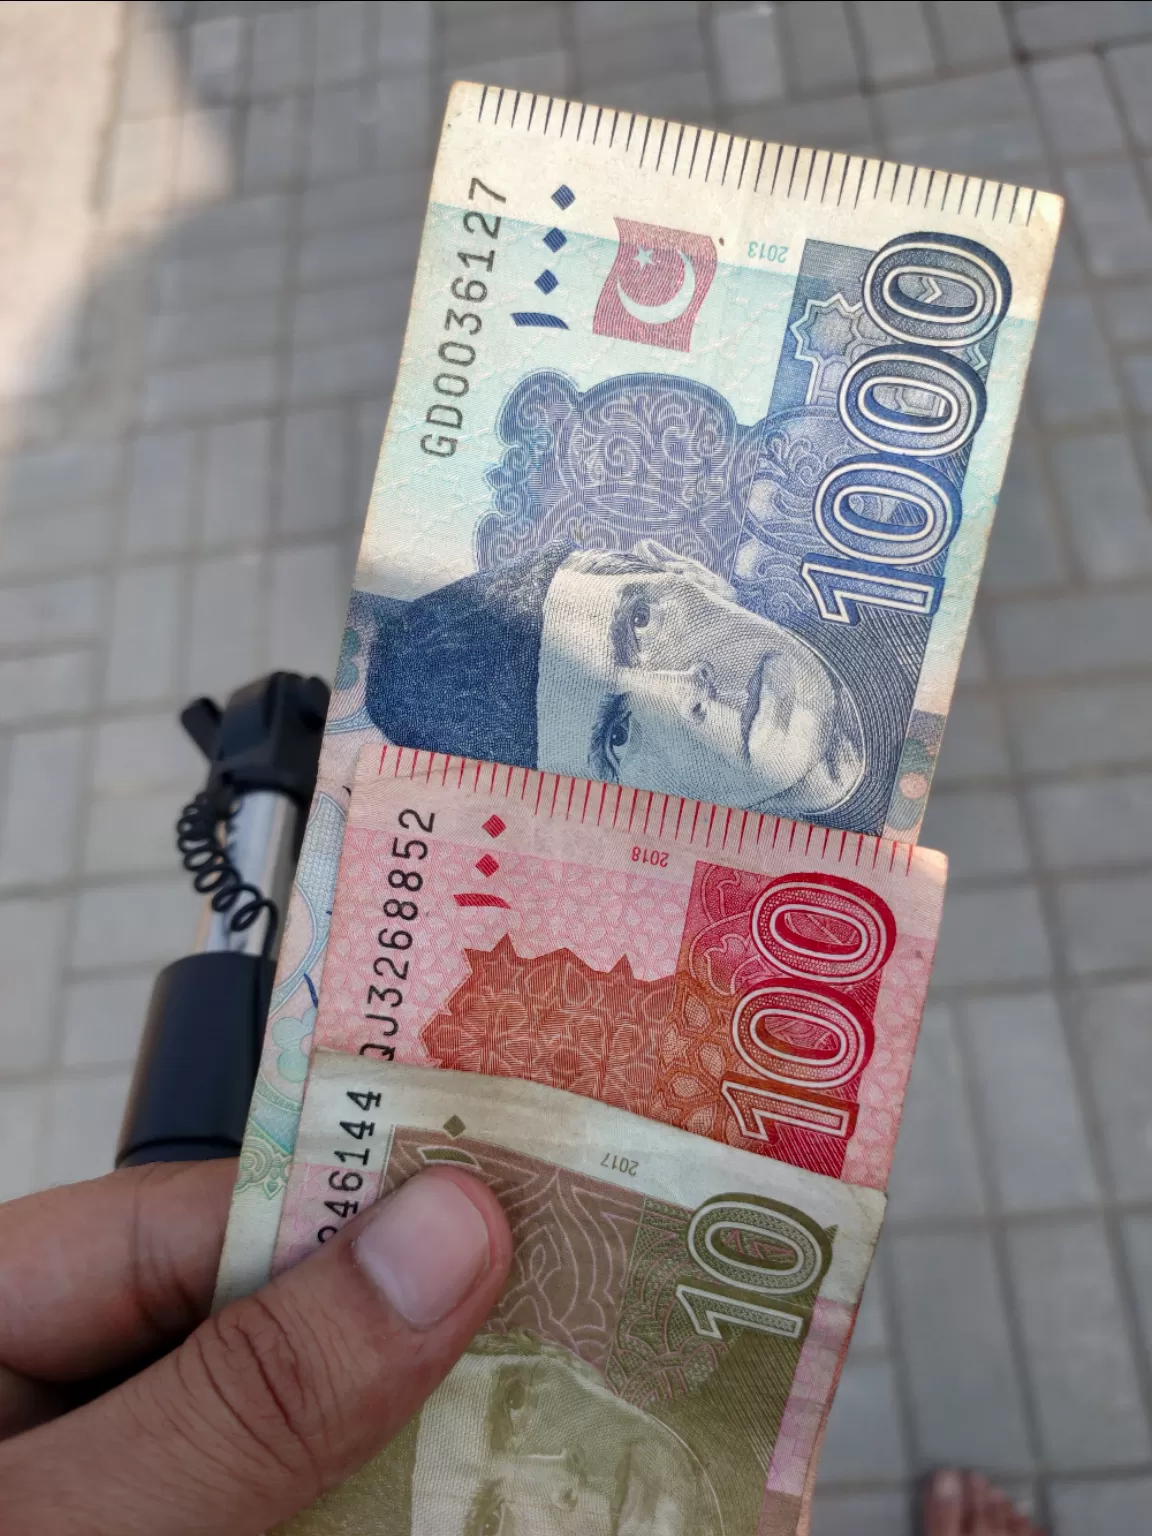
(664, 1353)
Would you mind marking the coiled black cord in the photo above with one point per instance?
(205, 857)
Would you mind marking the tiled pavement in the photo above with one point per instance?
(178, 512)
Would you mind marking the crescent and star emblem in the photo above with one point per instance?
(673, 308)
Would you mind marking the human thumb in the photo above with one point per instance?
(282, 1394)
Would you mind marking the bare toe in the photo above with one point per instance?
(945, 1501)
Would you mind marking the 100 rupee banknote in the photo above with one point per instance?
(663, 1355)
(753, 980)
(686, 485)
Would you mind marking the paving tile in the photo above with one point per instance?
(1138, 1255)
(37, 481)
(1127, 309)
(1105, 922)
(250, 220)
(143, 752)
(973, 667)
(973, 741)
(670, 49)
(21, 1120)
(373, 251)
(979, 124)
(1069, 24)
(103, 1020)
(819, 43)
(748, 56)
(472, 39)
(36, 687)
(204, 390)
(404, 122)
(1037, 1145)
(1058, 728)
(1078, 1351)
(160, 487)
(226, 622)
(149, 82)
(870, 1334)
(142, 647)
(1116, 1044)
(351, 311)
(1076, 105)
(936, 1170)
(1109, 204)
(41, 802)
(206, 154)
(31, 939)
(1094, 821)
(216, 57)
(314, 478)
(979, 830)
(955, 1334)
(991, 936)
(306, 608)
(133, 836)
(683, 97)
(1078, 634)
(860, 1514)
(281, 50)
(1102, 1507)
(336, 140)
(1137, 370)
(274, 142)
(134, 923)
(1073, 377)
(1024, 552)
(209, 330)
(141, 165)
(393, 196)
(341, 32)
(404, 36)
(344, 368)
(601, 18)
(227, 274)
(48, 612)
(895, 41)
(1105, 504)
(839, 122)
(971, 32)
(237, 483)
(81, 1127)
(1131, 69)
(863, 1439)
(548, 73)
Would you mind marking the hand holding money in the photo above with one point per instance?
(265, 1404)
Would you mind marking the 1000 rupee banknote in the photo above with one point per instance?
(686, 485)
(756, 981)
(662, 1357)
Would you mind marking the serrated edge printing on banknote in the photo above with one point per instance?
(604, 181)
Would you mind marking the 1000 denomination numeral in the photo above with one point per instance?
(901, 442)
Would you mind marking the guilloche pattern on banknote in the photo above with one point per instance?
(686, 484)
(755, 981)
(664, 1351)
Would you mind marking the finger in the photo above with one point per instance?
(101, 1273)
(280, 1395)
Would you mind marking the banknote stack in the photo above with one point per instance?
(610, 890)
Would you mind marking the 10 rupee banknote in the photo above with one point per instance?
(685, 487)
(756, 981)
(663, 1355)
